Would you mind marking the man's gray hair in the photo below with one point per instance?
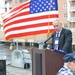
(58, 20)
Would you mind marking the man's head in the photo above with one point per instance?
(69, 59)
(57, 25)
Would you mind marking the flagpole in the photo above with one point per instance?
(16, 45)
(49, 18)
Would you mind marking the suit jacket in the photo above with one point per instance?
(65, 41)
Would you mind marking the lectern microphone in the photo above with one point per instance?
(48, 39)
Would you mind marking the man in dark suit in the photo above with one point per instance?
(61, 38)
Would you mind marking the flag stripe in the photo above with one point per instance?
(26, 34)
(28, 30)
(28, 26)
(9, 23)
(31, 16)
(15, 10)
(27, 23)
(30, 19)
(7, 18)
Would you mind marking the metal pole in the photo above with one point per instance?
(17, 45)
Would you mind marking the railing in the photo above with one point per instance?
(72, 29)
(72, 8)
(72, 19)
(71, 0)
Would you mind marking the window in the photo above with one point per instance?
(65, 15)
(73, 46)
(20, 1)
(65, 5)
(5, 9)
(65, 25)
(15, 1)
(5, 2)
(10, 8)
(1, 26)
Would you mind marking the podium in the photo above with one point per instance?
(46, 62)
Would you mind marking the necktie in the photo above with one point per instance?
(57, 34)
(56, 41)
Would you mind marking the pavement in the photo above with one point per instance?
(11, 70)
(5, 53)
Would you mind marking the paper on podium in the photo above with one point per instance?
(60, 51)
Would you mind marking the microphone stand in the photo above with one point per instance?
(43, 44)
(47, 46)
(48, 39)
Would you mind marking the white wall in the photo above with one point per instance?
(2, 9)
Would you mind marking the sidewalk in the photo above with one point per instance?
(10, 70)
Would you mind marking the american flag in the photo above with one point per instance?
(30, 18)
